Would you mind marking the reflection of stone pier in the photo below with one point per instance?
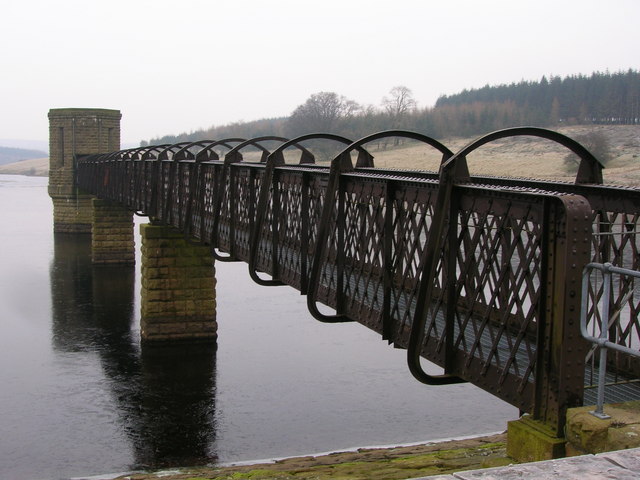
(177, 401)
(178, 294)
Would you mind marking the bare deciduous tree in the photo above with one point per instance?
(399, 102)
(397, 105)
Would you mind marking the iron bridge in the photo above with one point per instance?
(478, 275)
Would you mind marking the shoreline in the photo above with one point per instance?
(440, 456)
(436, 441)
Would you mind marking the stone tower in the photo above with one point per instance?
(75, 132)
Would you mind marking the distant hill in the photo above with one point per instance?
(12, 155)
(38, 167)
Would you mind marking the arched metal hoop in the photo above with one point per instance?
(589, 171)
(342, 164)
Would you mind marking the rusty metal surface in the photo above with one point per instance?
(479, 275)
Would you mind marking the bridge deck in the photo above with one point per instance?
(618, 388)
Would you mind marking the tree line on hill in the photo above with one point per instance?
(601, 98)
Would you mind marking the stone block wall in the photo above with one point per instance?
(72, 213)
(589, 434)
(178, 287)
(112, 234)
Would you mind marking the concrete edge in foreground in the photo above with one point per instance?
(621, 464)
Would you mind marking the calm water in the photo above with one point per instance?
(79, 396)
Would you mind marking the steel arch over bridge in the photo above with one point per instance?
(479, 275)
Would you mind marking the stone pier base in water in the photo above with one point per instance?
(71, 212)
(112, 234)
(178, 287)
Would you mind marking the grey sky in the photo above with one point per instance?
(181, 65)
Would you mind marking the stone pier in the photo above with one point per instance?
(178, 287)
(112, 234)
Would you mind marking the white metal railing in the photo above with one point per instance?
(602, 341)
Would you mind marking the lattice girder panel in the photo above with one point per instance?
(193, 204)
(264, 251)
(512, 282)
(330, 279)
(127, 181)
(246, 186)
(180, 193)
(497, 293)
(210, 172)
(291, 227)
(412, 212)
(164, 188)
(224, 200)
(364, 207)
(137, 192)
(147, 181)
(316, 188)
(128, 185)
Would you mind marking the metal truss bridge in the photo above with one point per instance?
(478, 275)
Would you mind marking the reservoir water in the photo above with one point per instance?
(79, 395)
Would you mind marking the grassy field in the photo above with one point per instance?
(527, 157)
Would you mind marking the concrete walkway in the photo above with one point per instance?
(619, 465)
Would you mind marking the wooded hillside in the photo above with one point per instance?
(602, 98)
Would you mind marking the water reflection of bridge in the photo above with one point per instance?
(479, 275)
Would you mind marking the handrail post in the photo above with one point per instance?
(604, 335)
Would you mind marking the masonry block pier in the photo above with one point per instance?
(178, 287)
(111, 234)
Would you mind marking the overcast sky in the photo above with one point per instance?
(174, 66)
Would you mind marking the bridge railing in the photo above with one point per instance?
(613, 331)
(500, 304)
